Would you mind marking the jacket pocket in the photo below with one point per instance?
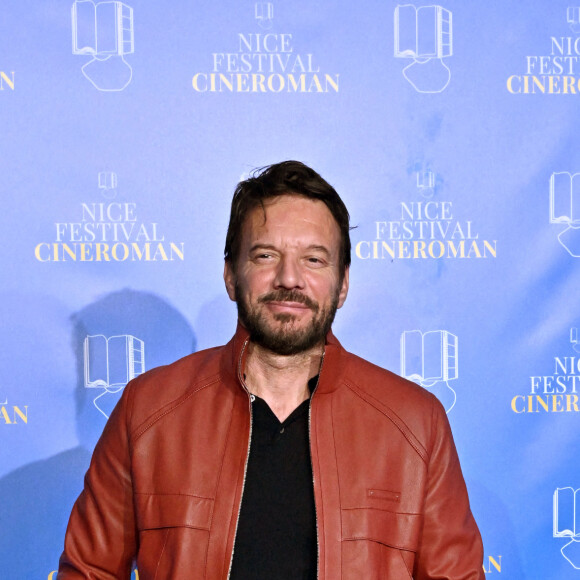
(171, 510)
(393, 529)
(173, 535)
(380, 542)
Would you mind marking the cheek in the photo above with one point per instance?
(257, 282)
(323, 288)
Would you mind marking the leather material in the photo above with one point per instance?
(166, 478)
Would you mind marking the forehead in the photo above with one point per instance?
(292, 218)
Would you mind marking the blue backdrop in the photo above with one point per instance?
(451, 132)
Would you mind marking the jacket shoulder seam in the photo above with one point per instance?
(169, 407)
(393, 417)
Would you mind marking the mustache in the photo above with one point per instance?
(289, 296)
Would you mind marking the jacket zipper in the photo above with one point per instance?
(241, 379)
(312, 467)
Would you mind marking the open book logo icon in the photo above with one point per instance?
(110, 363)
(108, 184)
(575, 338)
(104, 31)
(573, 18)
(566, 522)
(425, 35)
(426, 183)
(431, 360)
(565, 209)
(264, 13)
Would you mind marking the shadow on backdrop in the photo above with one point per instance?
(123, 332)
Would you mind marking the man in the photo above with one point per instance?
(279, 455)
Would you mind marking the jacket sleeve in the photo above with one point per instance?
(451, 546)
(100, 541)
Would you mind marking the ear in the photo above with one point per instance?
(230, 280)
(344, 288)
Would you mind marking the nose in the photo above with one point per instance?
(289, 274)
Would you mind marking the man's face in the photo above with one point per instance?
(286, 281)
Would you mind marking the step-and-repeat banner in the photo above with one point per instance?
(451, 131)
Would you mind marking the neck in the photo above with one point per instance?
(282, 381)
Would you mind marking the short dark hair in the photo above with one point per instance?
(285, 178)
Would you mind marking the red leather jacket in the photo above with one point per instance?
(166, 479)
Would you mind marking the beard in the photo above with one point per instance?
(284, 338)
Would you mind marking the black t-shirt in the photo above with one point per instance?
(276, 535)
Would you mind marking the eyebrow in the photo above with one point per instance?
(316, 248)
(312, 247)
(262, 247)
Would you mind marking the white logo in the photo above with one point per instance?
(264, 12)
(108, 184)
(573, 18)
(426, 183)
(110, 363)
(567, 523)
(565, 209)
(104, 30)
(574, 339)
(424, 34)
(430, 360)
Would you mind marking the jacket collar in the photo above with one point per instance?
(330, 373)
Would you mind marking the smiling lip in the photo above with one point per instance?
(288, 305)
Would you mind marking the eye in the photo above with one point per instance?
(315, 261)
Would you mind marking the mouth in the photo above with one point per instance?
(289, 302)
(289, 307)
